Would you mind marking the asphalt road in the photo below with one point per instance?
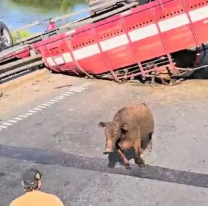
(65, 143)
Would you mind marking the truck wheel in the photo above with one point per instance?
(5, 36)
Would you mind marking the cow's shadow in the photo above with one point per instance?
(114, 157)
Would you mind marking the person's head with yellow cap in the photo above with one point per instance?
(31, 180)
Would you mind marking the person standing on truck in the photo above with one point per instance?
(31, 182)
(51, 25)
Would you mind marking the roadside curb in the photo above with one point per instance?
(22, 80)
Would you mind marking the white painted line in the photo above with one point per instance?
(13, 121)
(67, 94)
(3, 127)
(48, 102)
(7, 123)
(74, 89)
(54, 100)
(32, 111)
(114, 42)
(59, 60)
(38, 109)
(29, 114)
(41, 107)
(50, 61)
(46, 105)
(174, 22)
(23, 116)
(144, 32)
(199, 14)
(58, 98)
(52, 103)
(67, 57)
(86, 51)
(17, 118)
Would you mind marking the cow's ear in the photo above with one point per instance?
(124, 127)
(103, 124)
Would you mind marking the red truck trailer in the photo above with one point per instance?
(121, 41)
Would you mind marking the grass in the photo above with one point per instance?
(63, 6)
(23, 34)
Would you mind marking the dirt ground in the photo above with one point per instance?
(29, 89)
(39, 87)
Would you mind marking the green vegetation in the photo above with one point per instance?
(60, 5)
(23, 34)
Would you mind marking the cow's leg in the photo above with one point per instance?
(122, 155)
(138, 151)
(126, 162)
(149, 145)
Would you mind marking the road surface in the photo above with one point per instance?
(63, 140)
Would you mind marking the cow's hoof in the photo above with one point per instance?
(141, 163)
(128, 166)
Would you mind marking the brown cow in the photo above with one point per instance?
(131, 126)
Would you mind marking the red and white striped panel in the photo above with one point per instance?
(198, 16)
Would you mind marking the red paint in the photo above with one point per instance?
(51, 26)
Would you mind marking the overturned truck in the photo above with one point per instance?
(121, 41)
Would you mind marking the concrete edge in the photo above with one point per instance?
(13, 84)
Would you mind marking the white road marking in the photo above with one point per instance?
(29, 114)
(73, 90)
(3, 126)
(13, 121)
(47, 105)
(59, 98)
(23, 116)
(32, 111)
(17, 118)
(7, 123)
(52, 102)
(41, 107)
(38, 109)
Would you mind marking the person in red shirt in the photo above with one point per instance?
(31, 182)
(51, 25)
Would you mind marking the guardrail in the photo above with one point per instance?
(79, 22)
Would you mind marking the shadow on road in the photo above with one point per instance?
(47, 157)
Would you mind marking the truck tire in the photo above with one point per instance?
(5, 37)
